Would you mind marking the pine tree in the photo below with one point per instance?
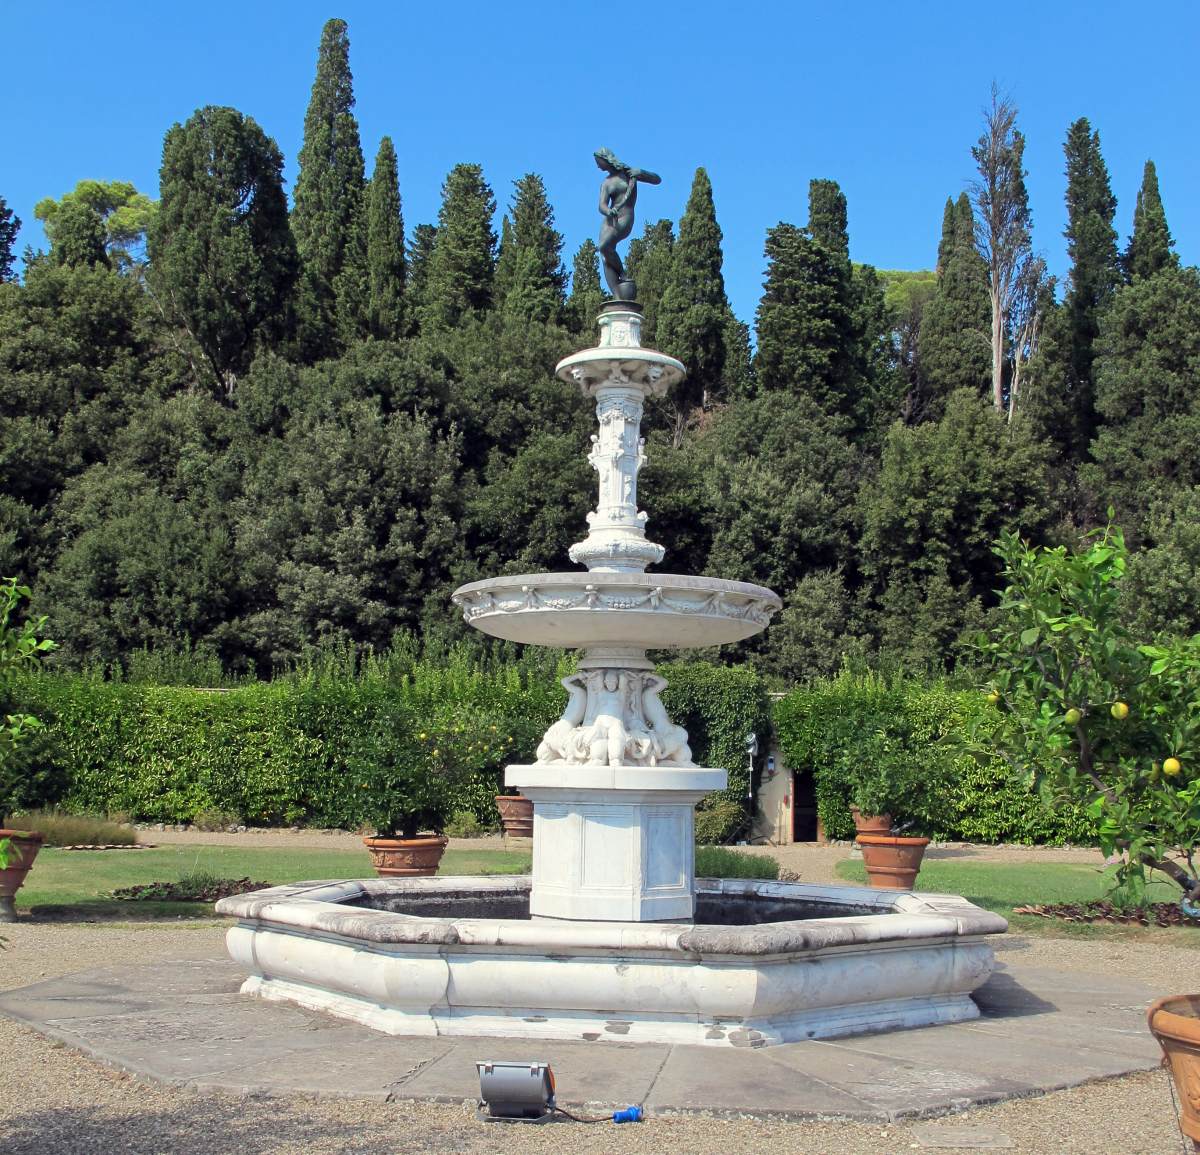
(649, 264)
(537, 280)
(693, 311)
(222, 258)
(462, 266)
(953, 346)
(10, 225)
(1149, 250)
(586, 295)
(1092, 247)
(326, 217)
(420, 255)
(385, 246)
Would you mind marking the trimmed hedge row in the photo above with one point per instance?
(816, 726)
(277, 753)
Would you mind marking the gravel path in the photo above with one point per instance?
(52, 1098)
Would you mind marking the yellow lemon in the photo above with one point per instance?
(993, 697)
(1171, 766)
(1119, 711)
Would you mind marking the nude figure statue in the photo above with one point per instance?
(618, 197)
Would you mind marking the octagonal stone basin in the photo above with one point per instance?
(765, 962)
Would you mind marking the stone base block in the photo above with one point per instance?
(612, 842)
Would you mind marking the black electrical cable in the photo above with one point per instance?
(582, 1118)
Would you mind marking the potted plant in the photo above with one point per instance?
(20, 645)
(1175, 1023)
(897, 778)
(407, 773)
(516, 815)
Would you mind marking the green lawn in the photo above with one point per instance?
(999, 886)
(77, 883)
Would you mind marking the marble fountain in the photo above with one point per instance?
(613, 937)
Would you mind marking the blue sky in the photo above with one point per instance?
(885, 98)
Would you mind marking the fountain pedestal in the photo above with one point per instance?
(614, 842)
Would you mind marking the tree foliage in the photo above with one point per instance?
(461, 266)
(328, 215)
(125, 213)
(386, 259)
(1093, 716)
(223, 261)
(1149, 249)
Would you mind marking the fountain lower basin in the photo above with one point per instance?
(765, 962)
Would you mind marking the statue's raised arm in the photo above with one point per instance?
(618, 197)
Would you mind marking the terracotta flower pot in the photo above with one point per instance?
(516, 814)
(871, 823)
(1175, 1023)
(406, 857)
(22, 850)
(892, 863)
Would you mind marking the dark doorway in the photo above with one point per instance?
(804, 807)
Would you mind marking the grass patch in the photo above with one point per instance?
(721, 862)
(1000, 886)
(74, 829)
(79, 883)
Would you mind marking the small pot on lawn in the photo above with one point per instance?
(892, 862)
(1175, 1023)
(871, 823)
(516, 815)
(406, 857)
(23, 846)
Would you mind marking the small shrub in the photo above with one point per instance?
(717, 821)
(198, 886)
(75, 829)
(464, 824)
(215, 820)
(721, 862)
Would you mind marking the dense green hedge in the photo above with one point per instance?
(817, 725)
(277, 753)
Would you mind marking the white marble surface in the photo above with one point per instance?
(712, 985)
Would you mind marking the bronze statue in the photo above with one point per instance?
(618, 196)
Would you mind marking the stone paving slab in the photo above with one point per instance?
(184, 1023)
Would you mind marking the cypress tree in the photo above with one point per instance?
(462, 265)
(385, 246)
(953, 343)
(586, 295)
(506, 261)
(326, 217)
(806, 318)
(693, 311)
(222, 258)
(79, 236)
(1092, 247)
(10, 225)
(1149, 250)
(827, 217)
(537, 280)
(649, 264)
(420, 254)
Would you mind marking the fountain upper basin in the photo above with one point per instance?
(615, 608)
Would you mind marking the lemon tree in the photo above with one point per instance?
(1092, 715)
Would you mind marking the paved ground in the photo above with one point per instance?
(52, 1097)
